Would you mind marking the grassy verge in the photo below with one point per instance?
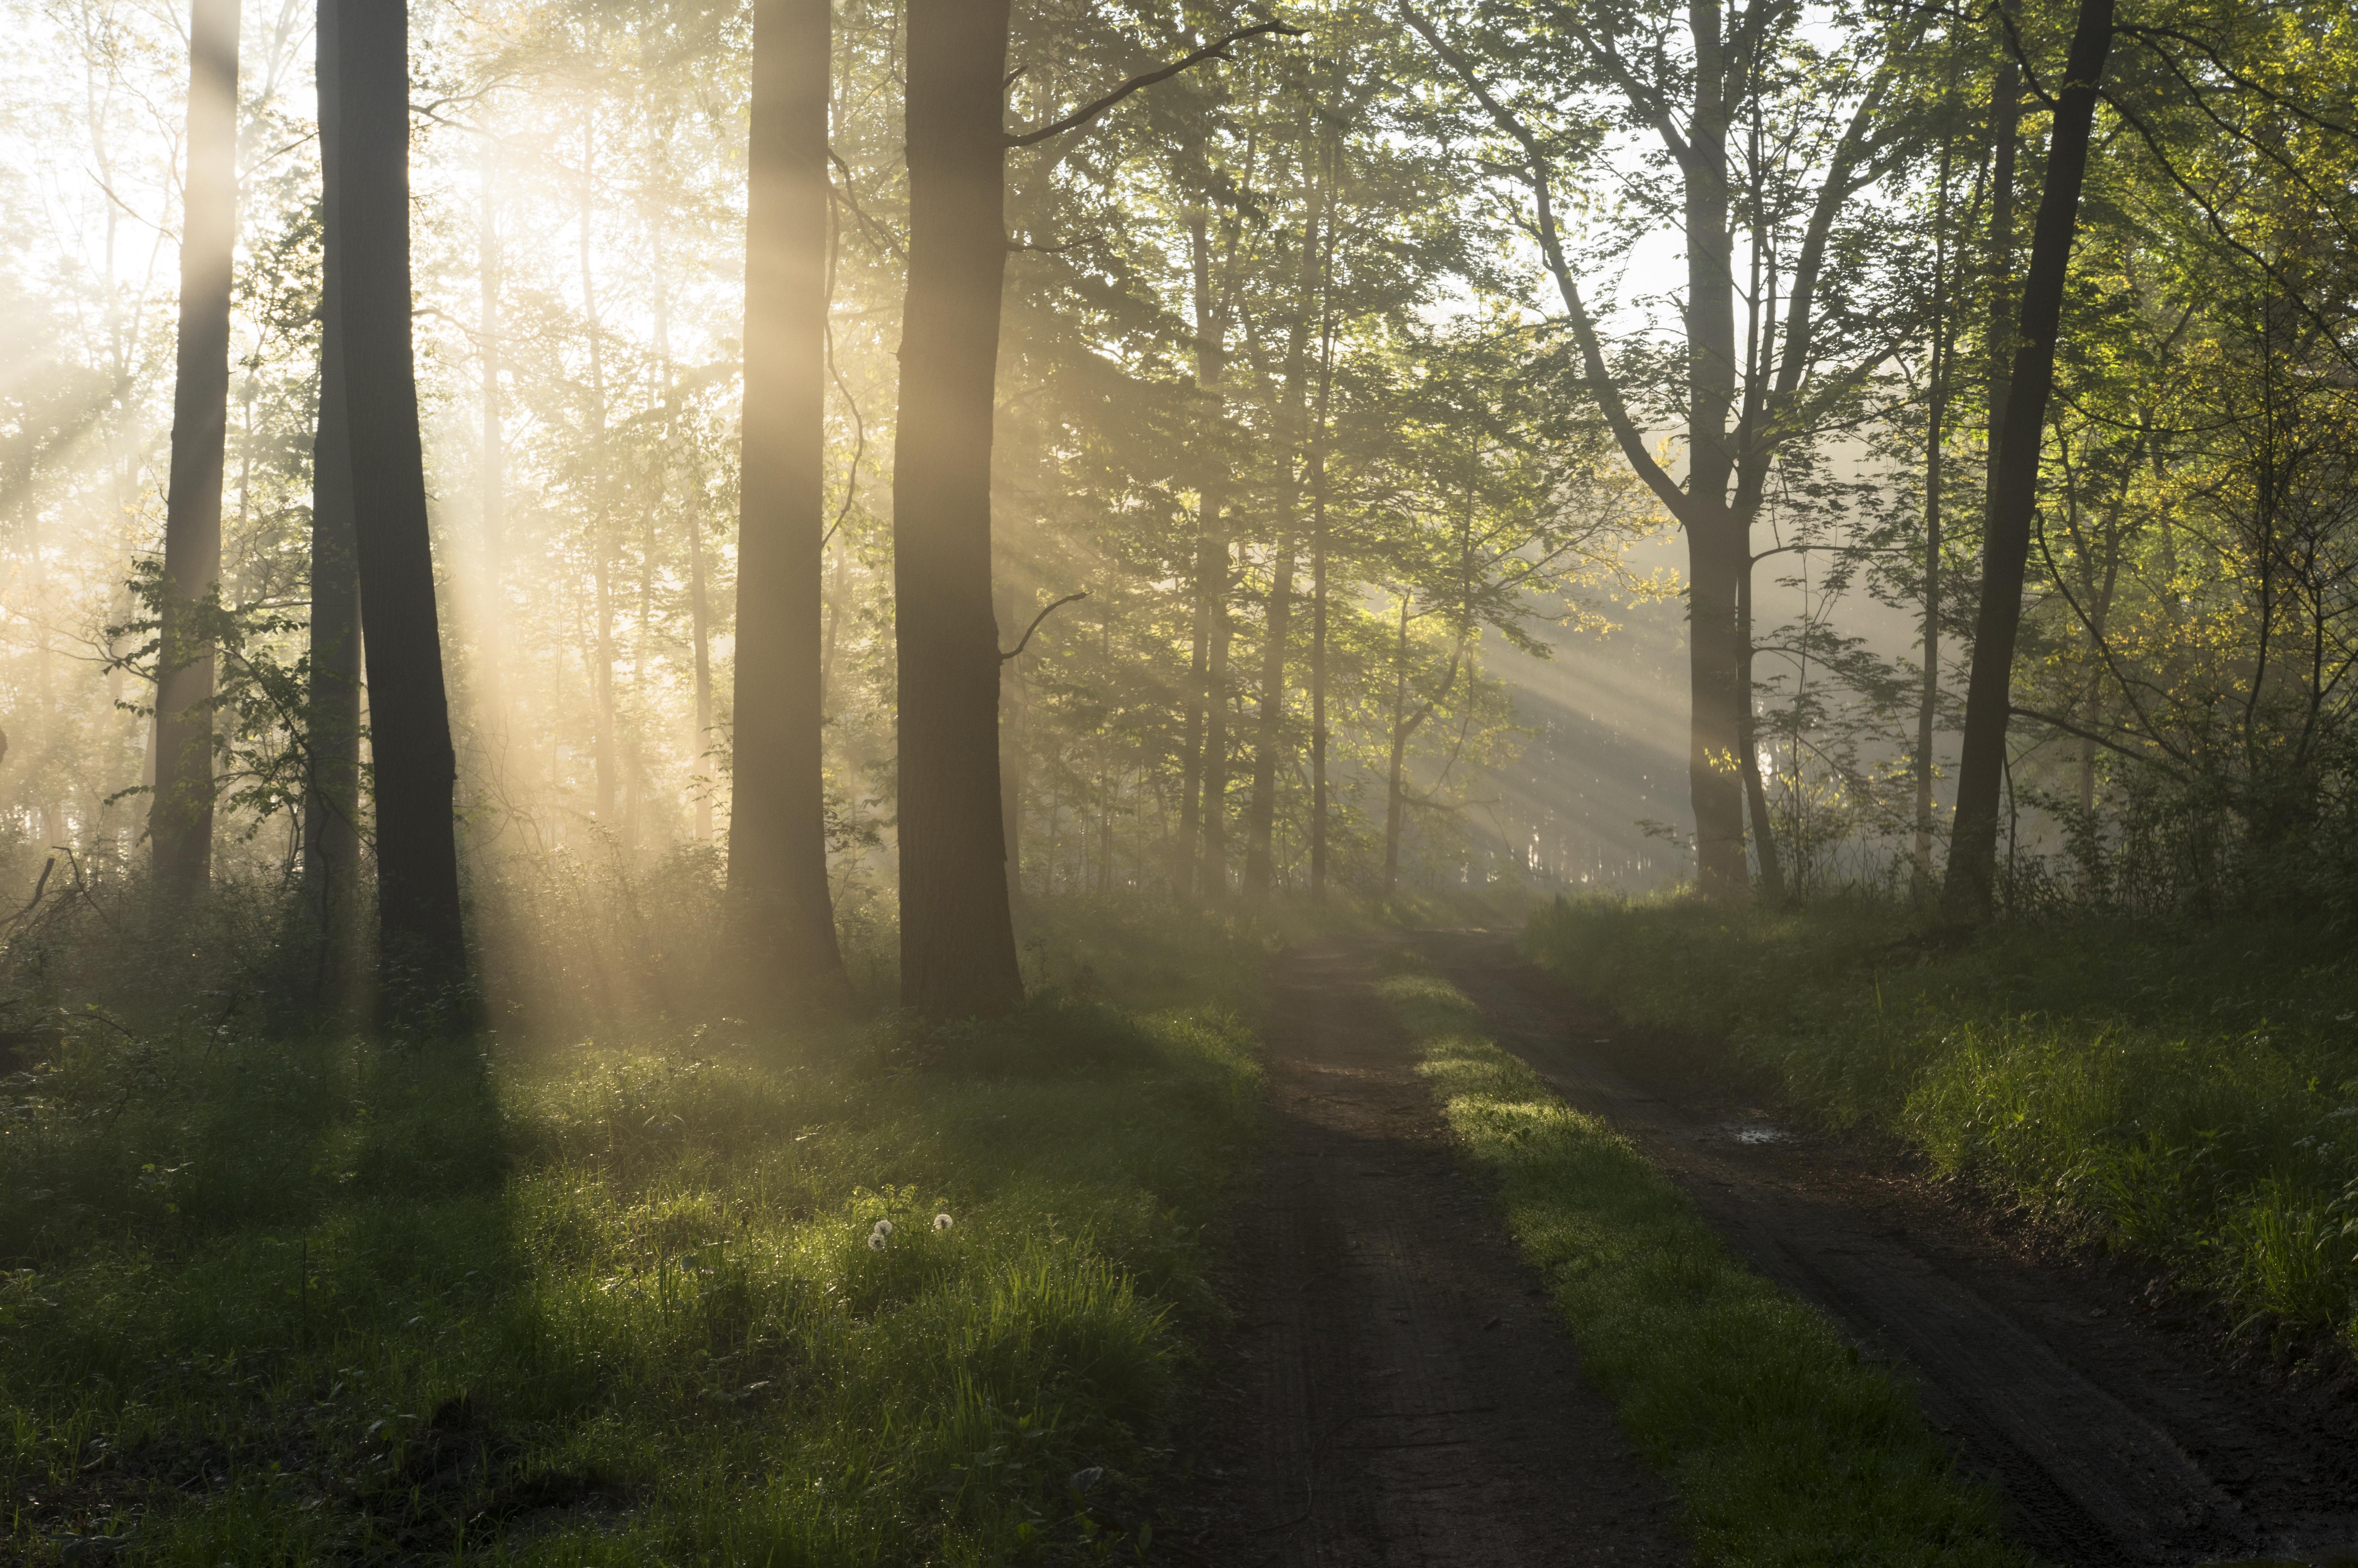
(1783, 1448)
(2189, 1093)
(271, 1303)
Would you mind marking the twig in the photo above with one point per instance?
(1215, 50)
(1018, 650)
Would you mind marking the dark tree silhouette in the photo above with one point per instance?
(957, 940)
(180, 820)
(421, 948)
(784, 924)
(332, 839)
(2014, 480)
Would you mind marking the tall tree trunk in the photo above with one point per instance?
(180, 818)
(1278, 623)
(958, 941)
(2006, 112)
(331, 805)
(1392, 802)
(606, 765)
(1935, 436)
(1717, 547)
(1215, 878)
(1318, 550)
(1259, 866)
(2014, 485)
(421, 947)
(699, 625)
(780, 909)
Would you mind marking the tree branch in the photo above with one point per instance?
(1018, 650)
(1626, 433)
(1215, 50)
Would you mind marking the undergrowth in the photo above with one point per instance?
(275, 1301)
(2186, 1092)
(1784, 1448)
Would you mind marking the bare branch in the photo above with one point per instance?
(1215, 50)
(1017, 651)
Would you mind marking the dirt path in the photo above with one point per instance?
(2097, 1409)
(1396, 1391)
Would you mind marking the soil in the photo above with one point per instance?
(2118, 1424)
(1395, 1391)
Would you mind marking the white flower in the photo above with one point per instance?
(941, 1222)
(883, 1227)
(876, 1241)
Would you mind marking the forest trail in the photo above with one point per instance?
(1396, 1390)
(2099, 1411)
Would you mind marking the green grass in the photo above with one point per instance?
(1784, 1449)
(2187, 1093)
(273, 1302)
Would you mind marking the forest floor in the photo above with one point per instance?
(2101, 1405)
(1397, 1391)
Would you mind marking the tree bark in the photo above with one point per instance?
(1278, 620)
(331, 804)
(958, 941)
(1935, 435)
(1755, 794)
(1718, 551)
(782, 916)
(1215, 881)
(2014, 483)
(180, 818)
(1318, 552)
(421, 945)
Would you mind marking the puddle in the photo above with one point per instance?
(1759, 1133)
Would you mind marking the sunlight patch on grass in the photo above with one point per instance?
(296, 1303)
(2187, 1093)
(1783, 1448)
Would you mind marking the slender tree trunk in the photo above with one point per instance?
(780, 908)
(1202, 818)
(2006, 112)
(1318, 550)
(958, 941)
(1935, 436)
(1392, 802)
(699, 626)
(331, 804)
(601, 565)
(1718, 550)
(1755, 794)
(2014, 486)
(421, 947)
(1215, 726)
(1259, 868)
(1191, 743)
(180, 820)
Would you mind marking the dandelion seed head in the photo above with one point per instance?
(876, 1241)
(941, 1222)
(883, 1227)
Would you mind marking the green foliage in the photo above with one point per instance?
(1784, 1449)
(286, 1302)
(2187, 1092)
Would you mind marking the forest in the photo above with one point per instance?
(1369, 781)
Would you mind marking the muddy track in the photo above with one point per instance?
(2100, 1411)
(1395, 1391)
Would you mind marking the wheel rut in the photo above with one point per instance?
(1396, 1391)
(2112, 1440)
